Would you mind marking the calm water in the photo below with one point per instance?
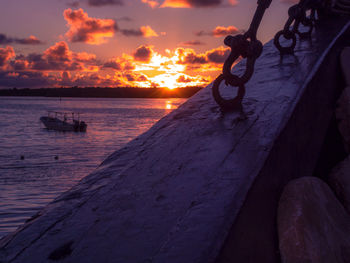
(27, 185)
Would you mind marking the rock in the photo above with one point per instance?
(345, 64)
(343, 105)
(312, 224)
(339, 180)
(342, 114)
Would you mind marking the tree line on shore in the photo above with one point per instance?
(98, 92)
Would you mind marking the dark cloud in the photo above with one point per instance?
(190, 58)
(74, 4)
(184, 79)
(125, 18)
(144, 31)
(131, 32)
(192, 43)
(130, 77)
(113, 65)
(27, 79)
(218, 55)
(143, 53)
(105, 2)
(31, 40)
(37, 79)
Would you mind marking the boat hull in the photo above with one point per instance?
(59, 125)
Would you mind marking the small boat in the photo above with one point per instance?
(61, 121)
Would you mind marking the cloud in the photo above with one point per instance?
(112, 64)
(233, 2)
(119, 64)
(99, 3)
(31, 40)
(59, 66)
(5, 55)
(189, 56)
(224, 31)
(56, 58)
(192, 43)
(83, 28)
(125, 18)
(74, 4)
(218, 55)
(219, 31)
(191, 3)
(184, 79)
(147, 31)
(151, 3)
(134, 77)
(144, 31)
(26, 79)
(143, 53)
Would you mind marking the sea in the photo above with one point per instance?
(37, 164)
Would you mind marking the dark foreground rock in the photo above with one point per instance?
(339, 180)
(342, 114)
(312, 224)
(345, 64)
(343, 105)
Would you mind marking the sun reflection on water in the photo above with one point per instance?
(168, 105)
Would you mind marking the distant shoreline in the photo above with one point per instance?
(90, 92)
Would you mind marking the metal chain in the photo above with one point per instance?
(297, 16)
(247, 46)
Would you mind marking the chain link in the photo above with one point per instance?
(246, 46)
(297, 16)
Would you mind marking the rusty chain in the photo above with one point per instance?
(247, 46)
(297, 16)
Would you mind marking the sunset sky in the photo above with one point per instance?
(111, 43)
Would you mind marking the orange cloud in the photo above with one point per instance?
(151, 3)
(5, 55)
(219, 31)
(233, 2)
(83, 28)
(56, 58)
(147, 31)
(191, 3)
(145, 67)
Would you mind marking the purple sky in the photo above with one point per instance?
(122, 42)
